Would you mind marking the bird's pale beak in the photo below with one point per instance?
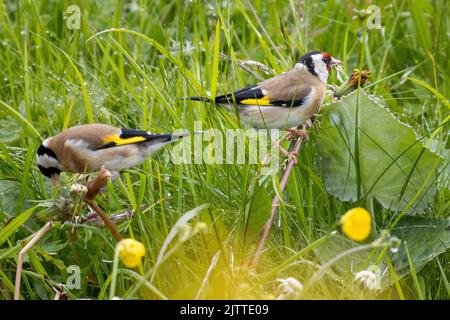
(335, 62)
(56, 180)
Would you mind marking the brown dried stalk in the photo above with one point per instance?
(94, 187)
(275, 205)
(22, 253)
(245, 65)
(352, 83)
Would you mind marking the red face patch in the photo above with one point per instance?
(326, 56)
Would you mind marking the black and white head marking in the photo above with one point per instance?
(314, 62)
(47, 160)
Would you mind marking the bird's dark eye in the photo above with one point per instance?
(326, 60)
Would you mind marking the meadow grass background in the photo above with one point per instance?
(54, 77)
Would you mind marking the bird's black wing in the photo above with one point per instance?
(130, 136)
(252, 95)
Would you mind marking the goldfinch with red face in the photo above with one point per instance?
(284, 101)
(86, 148)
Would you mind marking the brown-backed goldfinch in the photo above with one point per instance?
(87, 148)
(284, 101)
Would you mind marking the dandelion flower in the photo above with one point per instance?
(130, 252)
(78, 188)
(368, 279)
(289, 289)
(356, 224)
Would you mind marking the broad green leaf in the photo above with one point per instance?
(394, 166)
(258, 213)
(14, 224)
(426, 239)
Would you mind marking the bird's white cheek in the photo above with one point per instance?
(48, 162)
(322, 73)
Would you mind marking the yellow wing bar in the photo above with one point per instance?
(114, 138)
(264, 101)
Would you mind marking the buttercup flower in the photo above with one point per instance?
(130, 252)
(356, 224)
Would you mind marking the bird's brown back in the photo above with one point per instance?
(296, 84)
(90, 133)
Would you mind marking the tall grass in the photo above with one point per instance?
(128, 65)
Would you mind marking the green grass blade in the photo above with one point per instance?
(14, 224)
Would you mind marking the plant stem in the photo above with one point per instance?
(94, 188)
(275, 205)
(112, 291)
(22, 253)
(108, 223)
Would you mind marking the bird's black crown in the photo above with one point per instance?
(44, 150)
(308, 62)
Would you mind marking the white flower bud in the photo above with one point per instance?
(289, 289)
(368, 279)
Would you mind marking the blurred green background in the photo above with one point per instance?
(55, 77)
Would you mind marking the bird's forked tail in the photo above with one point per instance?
(205, 99)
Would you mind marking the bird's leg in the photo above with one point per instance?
(94, 188)
(22, 253)
(302, 133)
(292, 156)
(287, 154)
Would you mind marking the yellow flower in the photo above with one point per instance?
(356, 224)
(130, 252)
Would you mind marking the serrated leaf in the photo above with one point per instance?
(393, 165)
(258, 213)
(40, 290)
